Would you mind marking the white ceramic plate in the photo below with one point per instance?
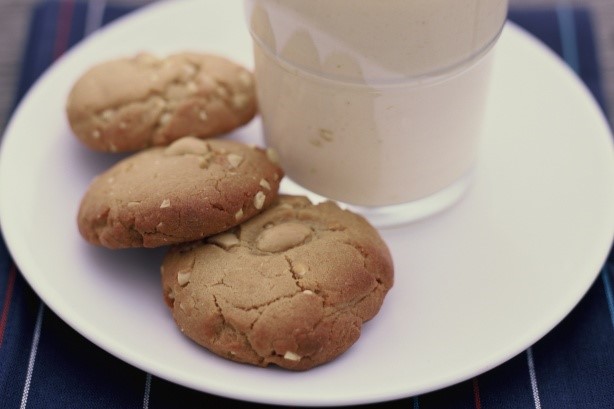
(475, 285)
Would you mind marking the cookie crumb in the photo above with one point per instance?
(291, 356)
(203, 162)
(265, 184)
(259, 200)
(165, 203)
(183, 278)
(224, 240)
(234, 159)
(170, 294)
(107, 114)
(187, 145)
(239, 214)
(299, 269)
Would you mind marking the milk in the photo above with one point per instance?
(374, 102)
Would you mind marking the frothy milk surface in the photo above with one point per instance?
(374, 102)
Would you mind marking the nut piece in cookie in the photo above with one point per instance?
(186, 191)
(129, 104)
(291, 286)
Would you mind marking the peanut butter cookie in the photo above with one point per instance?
(186, 191)
(129, 104)
(291, 286)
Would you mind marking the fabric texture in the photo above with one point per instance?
(46, 364)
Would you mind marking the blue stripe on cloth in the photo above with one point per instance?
(507, 386)
(43, 28)
(540, 22)
(165, 395)
(569, 41)
(606, 274)
(575, 362)
(38, 54)
(90, 378)
(17, 338)
(113, 12)
(459, 396)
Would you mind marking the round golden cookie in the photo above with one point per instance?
(291, 287)
(129, 104)
(186, 191)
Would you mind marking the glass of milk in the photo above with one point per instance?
(377, 104)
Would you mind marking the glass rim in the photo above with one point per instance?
(437, 75)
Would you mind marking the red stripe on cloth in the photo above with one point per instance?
(476, 394)
(64, 25)
(8, 296)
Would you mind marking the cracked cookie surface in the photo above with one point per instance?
(183, 192)
(291, 286)
(129, 104)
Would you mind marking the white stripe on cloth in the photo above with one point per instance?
(533, 378)
(94, 16)
(567, 29)
(147, 391)
(33, 350)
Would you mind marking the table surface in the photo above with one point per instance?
(14, 15)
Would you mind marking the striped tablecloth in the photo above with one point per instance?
(46, 364)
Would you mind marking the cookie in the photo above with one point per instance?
(290, 287)
(186, 191)
(129, 104)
